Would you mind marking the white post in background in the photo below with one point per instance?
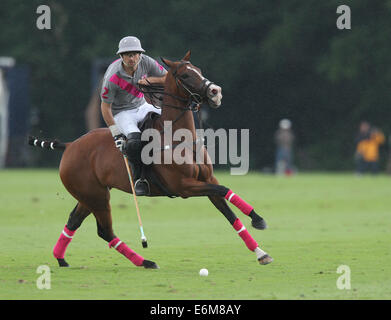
(4, 98)
(4, 95)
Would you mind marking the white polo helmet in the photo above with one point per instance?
(129, 44)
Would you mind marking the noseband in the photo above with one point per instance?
(194, 98)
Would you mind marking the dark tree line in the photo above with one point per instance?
(273, 59)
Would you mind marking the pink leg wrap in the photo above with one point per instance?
(62, 243)
(238, 202)
(122, 248)
(246, 237)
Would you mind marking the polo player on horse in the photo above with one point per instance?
(123, 105)
(91, 165)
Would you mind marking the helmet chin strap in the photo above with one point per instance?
(122, 59)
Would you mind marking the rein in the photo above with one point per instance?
(192, 102)
(190, 106)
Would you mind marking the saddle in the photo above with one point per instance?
(148, 121)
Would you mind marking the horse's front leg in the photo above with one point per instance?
(217, 195)
(198, 188)
(251, 244)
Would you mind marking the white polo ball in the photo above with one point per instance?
(204, 272)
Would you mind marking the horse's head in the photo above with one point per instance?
(192, 83)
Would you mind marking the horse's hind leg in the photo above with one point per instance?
(102, 212)
(251, 244)
(76, 217)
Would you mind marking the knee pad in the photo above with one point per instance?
(134, 146)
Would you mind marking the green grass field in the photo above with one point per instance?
(317, 222)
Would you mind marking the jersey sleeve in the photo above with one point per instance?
(108, 91)
(155, 69)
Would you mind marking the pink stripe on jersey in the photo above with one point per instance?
(123, 84)
(159, 65)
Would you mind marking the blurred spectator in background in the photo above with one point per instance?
(363, 134)
(284, 139)
(368, 142)
(388, 165)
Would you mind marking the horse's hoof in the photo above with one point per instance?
(150, 265)
(266, 259)
(62, 263)
(258, 223)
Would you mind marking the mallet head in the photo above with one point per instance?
(144, 242)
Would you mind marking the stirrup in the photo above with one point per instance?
(141, 187)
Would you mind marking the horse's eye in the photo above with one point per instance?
(184, 76)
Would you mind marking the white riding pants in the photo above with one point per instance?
(128, 120)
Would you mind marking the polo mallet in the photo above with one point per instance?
(143, 238)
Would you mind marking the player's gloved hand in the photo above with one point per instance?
(120, 142)
(119, 138)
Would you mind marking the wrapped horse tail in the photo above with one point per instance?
(47, 144)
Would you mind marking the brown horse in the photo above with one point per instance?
(92, 165)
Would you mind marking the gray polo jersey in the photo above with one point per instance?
(121, 90)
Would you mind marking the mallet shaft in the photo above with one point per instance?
(143, 238)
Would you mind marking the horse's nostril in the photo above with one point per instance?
(214, 91)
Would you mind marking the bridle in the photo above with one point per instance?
(193, 99)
